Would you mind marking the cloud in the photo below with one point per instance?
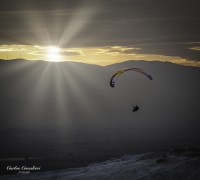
(154, 27)
(97, 55)
(72, 51)
(196, 48)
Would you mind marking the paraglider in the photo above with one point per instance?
(120, 72)
(135, 108)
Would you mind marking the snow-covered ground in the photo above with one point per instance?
(147, 166)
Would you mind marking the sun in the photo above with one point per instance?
(53, 54)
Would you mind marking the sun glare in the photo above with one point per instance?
(53, 54)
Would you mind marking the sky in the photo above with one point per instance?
(101, 31)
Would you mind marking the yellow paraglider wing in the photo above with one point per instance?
(118, 73)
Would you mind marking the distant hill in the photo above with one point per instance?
(58, 108)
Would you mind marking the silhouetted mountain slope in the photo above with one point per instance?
(57, 108)
(152, 166)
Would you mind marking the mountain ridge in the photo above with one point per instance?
(60, 108)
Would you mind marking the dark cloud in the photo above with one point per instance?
(155, 26)
(21, 5)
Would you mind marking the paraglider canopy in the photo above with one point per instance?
(118, 73)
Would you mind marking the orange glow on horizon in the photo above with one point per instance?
(102, 56)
